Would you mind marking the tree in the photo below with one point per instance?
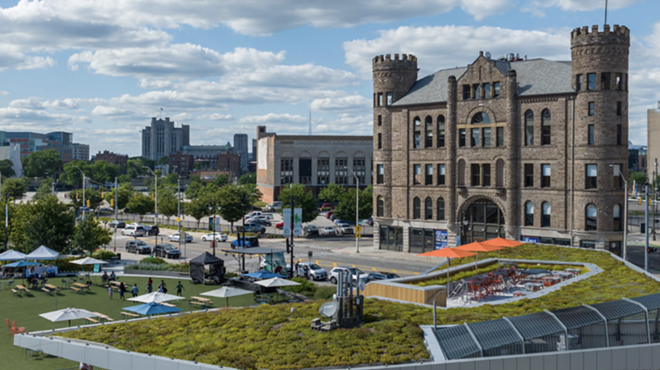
(164, 160)
(172, 178)
(124, 194)
(638, 177)
(14, 188)
(72, 176)
(197, 208)
(124, 178)
(89, 235)
(346, 208)
(46, 222)
(45, 189)
(6, 168)
(135, 167)
(231, 207)
(195, 187)
(140, 204)
(302, 198)
(102, 171)
(167, 202)
(248, 178)
(332, 193)
(91, 195)
(42, 163)
(221, 180)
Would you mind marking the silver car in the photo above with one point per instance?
(327, 231)
(133, 230)
(175, 238)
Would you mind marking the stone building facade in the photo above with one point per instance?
(525, 149)
(653, 142)
(162, 138)
(311, 160)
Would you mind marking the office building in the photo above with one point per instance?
(112, 158)
(241, 148)
(162, 138)
(31, 142)
(80, 152)
(653, 141)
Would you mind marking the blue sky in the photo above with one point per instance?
(101, 69)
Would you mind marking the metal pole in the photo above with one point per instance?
(625, 219)
(646, 231)
(178, 211)
(655, 193)
(116, 206)
(357, 211)
(84, 203)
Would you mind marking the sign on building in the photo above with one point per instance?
(441, 239)
(529, 239)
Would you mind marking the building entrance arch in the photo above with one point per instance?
(481, 220)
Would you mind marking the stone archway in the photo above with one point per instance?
(479, 220)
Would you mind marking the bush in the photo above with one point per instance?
(324, 293)
(306, 287)
(64, 264)
(102, 254)
(154, 260)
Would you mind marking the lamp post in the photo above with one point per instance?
(242, 243)
(646, 231)
(655, 193)
(624, 246)
(357, 210)
(83, 185)
(213, 206)
(6, 212)
(156, 205)
(178, 212)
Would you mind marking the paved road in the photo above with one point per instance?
(327, 252)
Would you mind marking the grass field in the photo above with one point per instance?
(25, 310)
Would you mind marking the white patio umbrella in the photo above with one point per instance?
(67, 314)
(227, 292)
(276, 282)
(12, 255)
(89, 261)
(42, 253)
(156, 297)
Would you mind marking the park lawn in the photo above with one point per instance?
(25, 310)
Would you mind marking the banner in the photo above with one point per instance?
(286, 221)
(297, 221)
(440, 239)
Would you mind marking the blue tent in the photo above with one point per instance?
(22, 264)
(263, 275)
(152, 308)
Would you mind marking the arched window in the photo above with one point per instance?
(616, 215)
(591, 219)
(428, 137)
(380, 205)
(545, 127)
(480, 117)
(441, 131)
(545, 217)
(529, 213)
(417, 136)
(499, 173)
(529, 128)
(417, 212)
(428, 209)
(461, 172)
(441, 209)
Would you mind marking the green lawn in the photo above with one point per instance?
(25, 310)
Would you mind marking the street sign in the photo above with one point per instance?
(297, 221)
(310, 254)
(358, 235)
(358, 229)
(178, 219)
(286, 221)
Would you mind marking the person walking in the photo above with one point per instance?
(179, 287)
(122, 290)
(150, 286)
(134, 291)
(162, 287)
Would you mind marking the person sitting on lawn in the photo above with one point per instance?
(113, 277)
(105, 277)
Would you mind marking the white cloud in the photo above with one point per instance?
(346, 124)
(343, 104)
(449, 46)
(101, 110)
(15, 118)
(215, 117)
(482, 9)
(536, 7)
(4, 93)
(273, 118)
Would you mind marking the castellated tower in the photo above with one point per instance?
(600, 133)
(393, 78)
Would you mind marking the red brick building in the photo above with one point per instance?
(228, 162)
(181, 164)
(112, 158)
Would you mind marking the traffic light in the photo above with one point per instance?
(89, 204)
(103, 195)
(77, 195)
(639, 201)
(650, 202)
(112, 203)
(134, 195)
(152, 196)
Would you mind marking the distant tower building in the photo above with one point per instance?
(80, 151)
(162, 139)
(253, 155)
(653, 140)
(241, 148)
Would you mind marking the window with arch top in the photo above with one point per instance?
(591, 219)
(417, 212)
(417, 133)
(529, 128)
(380, 206)
(428, 209)
(529, 213)
(480, 117)
(441, 131)
(545, 127)
(428, 135)
(545, 216)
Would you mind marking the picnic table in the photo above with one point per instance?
(80, 288)
(199, 301)
(102, 317)
(19, 289)
(50, 289)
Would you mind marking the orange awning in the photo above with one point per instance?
(478, 247)
(447, 253)
(501, 242)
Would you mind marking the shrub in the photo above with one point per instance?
(324, 293)
(103, 254)
(305, 286)
(64, 264)
(154, 260)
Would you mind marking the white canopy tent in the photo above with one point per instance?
(42, 253)
(155, 297)
(89, 261)
(12, 255)
(276, 282)
(67, 314)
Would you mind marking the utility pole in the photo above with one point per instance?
(178, 211)
(6, 213)
(655, 193)
(646, 231)
(357, 211)
(115, 249)
(293, 208)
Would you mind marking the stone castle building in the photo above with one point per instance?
(525, 149)
(162, 138)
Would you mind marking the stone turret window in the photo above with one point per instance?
(619, 108)
(591, 176)
(417, 133)
(441, 131)
(590, 134)
(428, 209)
(546, 121)
(380, 206)
(417, 212)
(545, 215)
(428, 135)
(380, 120)
(380, 99)
(579, 81)
(390, 98)
(380, 174)
(605, 80)
(591, 81)
(591, 219)
(380, 141)
(616, 178)
(619, 135)
(619, 81)
(529, 213)
(441, 209)
(591, 108)
(529, 128)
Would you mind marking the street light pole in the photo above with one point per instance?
(156, 210)
(116, 206)
(646, 230)
(178, 212)
(357, 211)
(624, 246)
(83, 184)
(655, 193)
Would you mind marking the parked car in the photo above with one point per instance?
(175, 237)
(219, 237)
(356, 273)
(252, 228)
(250, 241)
(166, 251)
(137, 246)
(152, 230)
(310, 230)
(273, 207)
(344, 228)
(373, 276)
(116, 224)
(327, 231)
(389, 275)
(313, 271)
(329, 215)
(106, 209)
(253, 214)
(325, 206)
(133, 230)
(262, 221)
(279, 225)
(268, 216)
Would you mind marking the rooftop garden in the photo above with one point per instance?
(274, 337)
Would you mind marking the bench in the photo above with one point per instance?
(129, 315)
(45, 290)
(93, 321)
(14, 291)
(75, 289)
(202, 305)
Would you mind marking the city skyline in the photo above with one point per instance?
(103, 71)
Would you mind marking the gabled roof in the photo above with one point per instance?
(535, 77)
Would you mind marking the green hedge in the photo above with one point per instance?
(103, 254)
